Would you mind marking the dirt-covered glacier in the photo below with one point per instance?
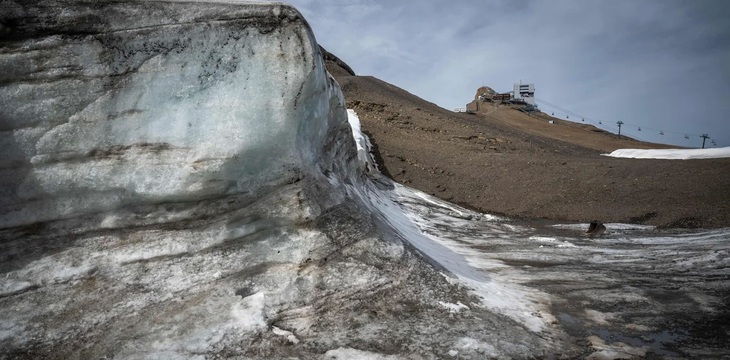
(179, 180)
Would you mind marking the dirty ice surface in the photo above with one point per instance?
(157, 208)
(519, 303)
(634, 291)
(671, 154)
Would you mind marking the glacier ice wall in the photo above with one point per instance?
(179, 180)
(114, 104)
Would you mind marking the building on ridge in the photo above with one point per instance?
(525, 93)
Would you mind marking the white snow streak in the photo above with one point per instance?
(671, 154)
(362, 142)
(354, 354)
(454, 308)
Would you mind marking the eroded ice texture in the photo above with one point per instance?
(179, 180)
(155, 102)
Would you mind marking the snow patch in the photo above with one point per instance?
(598, 317)
(671, 154)
(56, 269)
(454, 308)
(522, 304)
(288, 334)
(249, 314)
(473, 345)
(364, 157)
(11, 287)
(543, 239)
(354, 354)
(400, 208)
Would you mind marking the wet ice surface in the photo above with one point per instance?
(182, 292)
(636, 290)
(172, 195)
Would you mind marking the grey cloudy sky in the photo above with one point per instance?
(654, 64)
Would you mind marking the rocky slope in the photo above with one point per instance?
(505, 162)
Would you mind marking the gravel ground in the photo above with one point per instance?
(502, 161)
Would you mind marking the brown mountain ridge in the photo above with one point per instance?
(504, 161)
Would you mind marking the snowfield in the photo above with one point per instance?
(671, 154)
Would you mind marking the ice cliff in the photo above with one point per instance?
(143, 103)
(179, 180)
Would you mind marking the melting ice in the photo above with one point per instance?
(182, 180)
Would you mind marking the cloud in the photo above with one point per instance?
(660, 64)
